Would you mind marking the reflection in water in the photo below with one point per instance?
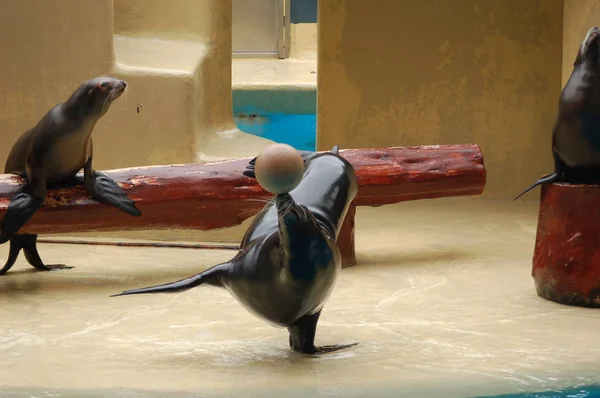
(377, 391)
(435, 312)
(16, 290)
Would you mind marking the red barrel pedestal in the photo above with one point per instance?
(566, 259)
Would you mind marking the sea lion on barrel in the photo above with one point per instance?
(576, 133)
(51, 154)
(289, 261)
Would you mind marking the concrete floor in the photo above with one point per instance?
(442, 304)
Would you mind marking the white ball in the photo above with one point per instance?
(279, 168)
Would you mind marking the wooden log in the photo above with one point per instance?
(216, 195)
(566, 259)
(399, 174)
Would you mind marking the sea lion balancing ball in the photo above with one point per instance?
(279, 168)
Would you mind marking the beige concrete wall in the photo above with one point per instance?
(179, 58)
(181, 19)
(176, 59)
(390, 73)
(443, 72)
(579, 17)
(37, 70)
(303, 40)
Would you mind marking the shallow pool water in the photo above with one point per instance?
(297, 130)
(592, 391)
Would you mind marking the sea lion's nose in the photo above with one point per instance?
(124, 83)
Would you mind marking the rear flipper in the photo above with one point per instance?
(212, 276)
(554, 177)
(107, 191)
(173, 287)
(31, 254)
(302, 337)
(20, 209)
(544, 180)
(28, 243)
(15, 248)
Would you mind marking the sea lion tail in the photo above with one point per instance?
(544, 180)
(211, 276)
(335, 150)
(172, 287)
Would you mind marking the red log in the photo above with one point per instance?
(345, 239)
(566, 260)
(217, 195)
(393, 175)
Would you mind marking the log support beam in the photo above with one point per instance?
(566, 259)
(217, 195)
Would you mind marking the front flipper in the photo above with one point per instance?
(20, 209)
(302, 337)
(107, 191)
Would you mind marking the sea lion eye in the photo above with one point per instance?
(104, 86)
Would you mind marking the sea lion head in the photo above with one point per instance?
(94, 96)
(581, 94)
(588, 54)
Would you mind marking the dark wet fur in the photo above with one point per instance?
(579, 117)
(297, 232)
(91, 100)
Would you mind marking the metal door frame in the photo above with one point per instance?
(283, 38)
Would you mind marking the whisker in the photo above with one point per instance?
(259, 200)
(107, 103)
(265, 208)
(286, 211)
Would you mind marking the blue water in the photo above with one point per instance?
(579, 392)
(297, 130)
